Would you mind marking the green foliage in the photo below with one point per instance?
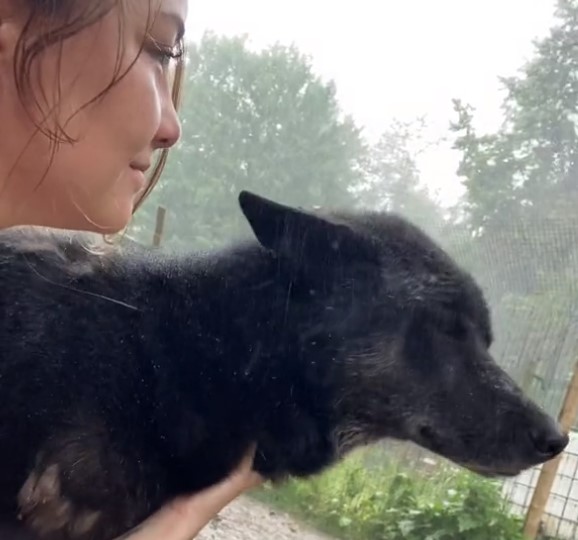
(357, 501)
(471, 509)
(487, 168)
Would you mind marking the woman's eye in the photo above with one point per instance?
(164, 54)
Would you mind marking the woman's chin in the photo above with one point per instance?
(115, 219)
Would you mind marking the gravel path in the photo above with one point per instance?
(246, 519)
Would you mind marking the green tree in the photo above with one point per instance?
(391, 178)
(530, 166)
(522, 182)
(258, 120)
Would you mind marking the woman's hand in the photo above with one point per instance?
(183, 518)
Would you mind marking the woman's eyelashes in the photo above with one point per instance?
(164, 54)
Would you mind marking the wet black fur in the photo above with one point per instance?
(144, 375)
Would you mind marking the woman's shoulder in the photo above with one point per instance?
(55, 249)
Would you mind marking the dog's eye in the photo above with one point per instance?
(451, 324)
(459, 329)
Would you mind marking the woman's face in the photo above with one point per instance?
(93, 183)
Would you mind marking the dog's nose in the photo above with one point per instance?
(549, 440)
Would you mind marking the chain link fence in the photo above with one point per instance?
(529, 274)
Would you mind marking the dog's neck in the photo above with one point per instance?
(247, 340)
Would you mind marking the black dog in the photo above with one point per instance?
(131, 377)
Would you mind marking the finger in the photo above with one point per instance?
(244, 474)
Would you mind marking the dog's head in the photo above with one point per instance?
(413, 334)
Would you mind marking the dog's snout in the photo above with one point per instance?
(548, 439)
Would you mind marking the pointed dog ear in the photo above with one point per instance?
(296, 234)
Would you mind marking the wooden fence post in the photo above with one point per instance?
(529, 376)
(159, 226)
(548, 473)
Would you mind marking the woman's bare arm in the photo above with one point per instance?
(184, 518)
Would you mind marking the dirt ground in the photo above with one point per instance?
(246, 519)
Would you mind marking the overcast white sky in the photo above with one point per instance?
(397, 58)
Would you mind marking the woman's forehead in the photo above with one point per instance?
(175, 8)
(171, 14)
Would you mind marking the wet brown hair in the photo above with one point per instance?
(49, 23)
